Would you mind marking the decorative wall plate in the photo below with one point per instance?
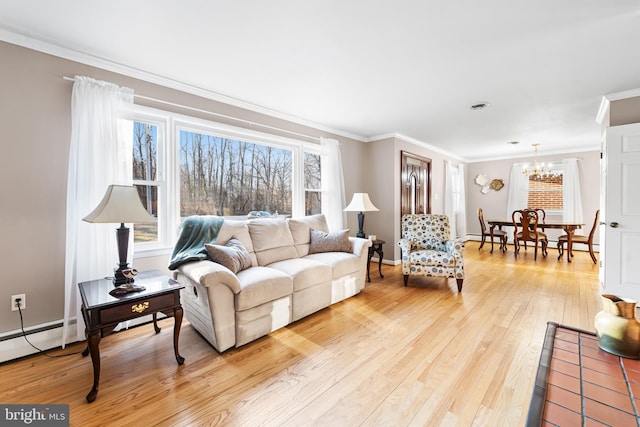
(482, 180)
(484, 189)
(497, 184)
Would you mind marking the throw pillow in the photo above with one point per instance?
(232, 255)
(336, 241)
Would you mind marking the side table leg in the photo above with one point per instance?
(380, 264)
(155, 323)
(94, 349)
(177, 318)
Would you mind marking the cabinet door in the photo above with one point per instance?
(620, 210)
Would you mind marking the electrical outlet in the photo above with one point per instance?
(14, 303)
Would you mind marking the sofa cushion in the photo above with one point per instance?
(272, 240)
(260, 285)
(336, 241)
(232, 255)
(305, 272)
(341, 263)
(300, 230)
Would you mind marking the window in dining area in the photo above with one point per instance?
(546, 192)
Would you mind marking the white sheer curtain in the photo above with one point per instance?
(518, 197)
(571, 192)
(332, 177)
(100, 154)
(454, 199)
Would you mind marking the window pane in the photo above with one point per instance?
(312, 202)
(145, 151)
(546, 193)
(149, 198)
(312, 171)
(221, 176)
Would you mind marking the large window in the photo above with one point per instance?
(185, 166)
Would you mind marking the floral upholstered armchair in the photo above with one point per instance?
(427, 250)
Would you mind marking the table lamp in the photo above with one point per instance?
(120, 204)
(360, 203)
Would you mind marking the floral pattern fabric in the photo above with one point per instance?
(427, 249)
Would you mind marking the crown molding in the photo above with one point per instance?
(416, 142)
(605, 103)
(52, 48)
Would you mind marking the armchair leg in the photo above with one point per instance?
(406, 279)
(459, 284)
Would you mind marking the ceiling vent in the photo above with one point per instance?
(480, 106)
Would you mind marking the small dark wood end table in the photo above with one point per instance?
(376, 247)
(102, 312)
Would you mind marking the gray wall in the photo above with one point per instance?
(36, 125)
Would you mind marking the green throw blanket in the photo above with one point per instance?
(195, 232)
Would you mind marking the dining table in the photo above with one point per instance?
(569, 227)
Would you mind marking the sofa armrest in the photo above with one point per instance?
(208, 273)
(359, 245)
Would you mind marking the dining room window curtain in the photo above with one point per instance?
(518, 197)
(100, 154)
(571, 191)
(332, 181)
(454, 200)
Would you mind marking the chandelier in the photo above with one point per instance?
(538, 170)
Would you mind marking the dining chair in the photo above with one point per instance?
(577, 238)
(500, 234)
(542, 216)
(525, 224)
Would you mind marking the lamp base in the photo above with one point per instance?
(360, 233)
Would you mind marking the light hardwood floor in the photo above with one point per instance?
(421, 355)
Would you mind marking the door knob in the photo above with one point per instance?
(614, 224)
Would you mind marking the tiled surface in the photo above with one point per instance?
(586, 386)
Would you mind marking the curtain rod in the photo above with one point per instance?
(186, 107)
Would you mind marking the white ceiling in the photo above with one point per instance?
(370, 68)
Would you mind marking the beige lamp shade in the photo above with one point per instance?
(360, 203)
(120, 204)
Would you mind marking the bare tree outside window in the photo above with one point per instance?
(227, 177)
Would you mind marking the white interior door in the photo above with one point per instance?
(620, 210)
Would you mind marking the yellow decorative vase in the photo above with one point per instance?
(617, 328)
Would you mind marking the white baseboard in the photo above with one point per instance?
(46, 337)
(17, 347)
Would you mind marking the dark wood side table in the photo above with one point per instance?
(102, 312)
(376, 247)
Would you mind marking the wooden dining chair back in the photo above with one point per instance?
(500, 234)
(525, 224)
(542, 216)
(585, 240)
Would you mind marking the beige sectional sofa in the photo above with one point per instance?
(283, 284)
